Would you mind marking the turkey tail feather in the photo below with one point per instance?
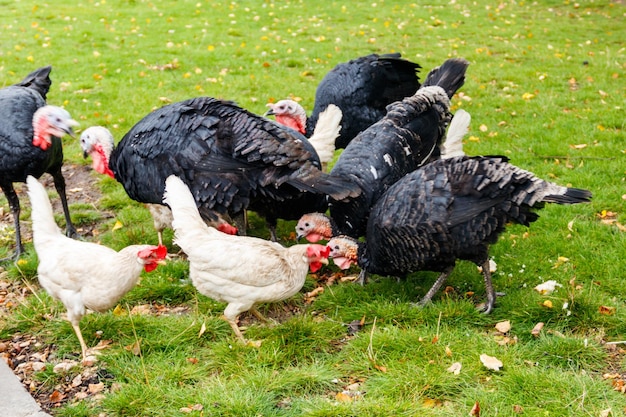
(38, 80)
(450, 75)
(459, 126)
(569, 196)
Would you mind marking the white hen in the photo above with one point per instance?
(239, 270)
(82, 274)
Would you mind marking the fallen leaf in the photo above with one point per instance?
(537, 329)
(135, 348)
(475, 411)
(142, 309)
(518, 409)
(103, 344)
(607, 311)
(202, 329)
(448, 351)
(491, 362)
(118, 225)
(343, 396)
(560, 261)
(381, 368)
(455, 368)
(503, 326)
(119, 310)
(432, 402)
(56, 397)
(606, 413)
(64, 366)
(96, 388)
(547, 304)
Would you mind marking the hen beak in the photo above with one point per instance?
(161, 262)
(324, 261)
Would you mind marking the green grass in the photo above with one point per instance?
(545, 87)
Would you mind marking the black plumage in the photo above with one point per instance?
(230, 158)
(407, 137)
(447, 210)
(19, 156)
(362, 88)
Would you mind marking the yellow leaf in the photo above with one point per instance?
(527, 96)
(119, 310)
(547, 304)
(448, 351)
(432, 403)
(118, 225)
(343, 397)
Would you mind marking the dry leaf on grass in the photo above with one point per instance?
(607, 311)
(537, 329)
(135, 348)
(455, 368)
(202, 329)
(491, 362)
(475, 411)
(503, 326)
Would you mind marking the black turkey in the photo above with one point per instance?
(447, 210)
(362, 88)
(230, 158)
(30, 143)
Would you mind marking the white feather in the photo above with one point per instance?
(459, 126)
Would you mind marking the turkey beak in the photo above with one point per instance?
(68, 127)
(270, 111)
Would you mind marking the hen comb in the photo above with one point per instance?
(318, 250)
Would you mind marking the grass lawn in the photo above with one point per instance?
(546, 87)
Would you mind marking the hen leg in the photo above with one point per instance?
(436, 286)
(258, 314)
(14, 204)
(231, 314)
(59, 184)
(491, 293)
(83, 346)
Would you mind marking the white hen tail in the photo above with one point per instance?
(41, 212)
(326, 131)
(187, 224)
(459, 126)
